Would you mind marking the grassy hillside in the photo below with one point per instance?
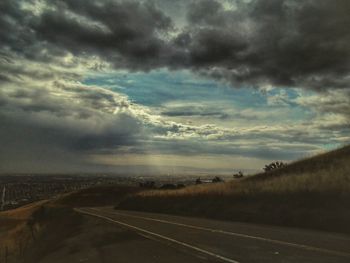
(312, 193)
(16, 234)
(97, 196)
(29, 233)
(332, 161)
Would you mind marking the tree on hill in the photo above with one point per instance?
(217, 179)
(238, 175)
(273, 166)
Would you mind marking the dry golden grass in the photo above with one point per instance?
(313, 192)
(96, 196)
(331, 180)
(27, 232)
(23, 212)
(14, 232)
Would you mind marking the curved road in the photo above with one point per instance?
(220, 241)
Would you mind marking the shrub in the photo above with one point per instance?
(273, 166)
(217, 179)
(238, 175)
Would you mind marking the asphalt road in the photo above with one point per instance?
(204, 240)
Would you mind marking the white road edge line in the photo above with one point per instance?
(339, 253)
(161, 236)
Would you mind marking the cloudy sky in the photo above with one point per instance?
(171, 86)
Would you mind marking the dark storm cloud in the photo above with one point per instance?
(28, 146)
(279, 42)
(60, 123)
(48, 118)
(285, 43)
(127, 34)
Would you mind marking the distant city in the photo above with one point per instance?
(18, 190)
(22, 189)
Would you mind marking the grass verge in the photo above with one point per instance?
(29, 233)
(312, 193)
